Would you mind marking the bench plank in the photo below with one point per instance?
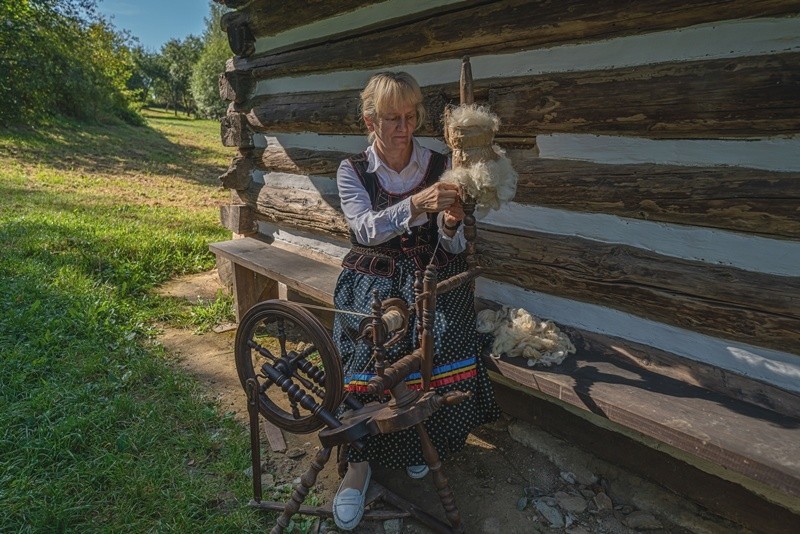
(749, 440)
(300, 273)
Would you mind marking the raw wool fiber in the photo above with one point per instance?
(517, 333)
(473, 116)
(492, 184)
(480, 168)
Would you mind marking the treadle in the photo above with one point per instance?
(745, 439)
(377, 492)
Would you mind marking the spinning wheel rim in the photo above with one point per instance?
(265, 313)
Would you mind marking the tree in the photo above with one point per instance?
(205, 78)
(149, 70)
(178, 58)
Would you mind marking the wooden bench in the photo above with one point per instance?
(747, 444)
(260, 270)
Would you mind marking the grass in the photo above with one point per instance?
(98, 431)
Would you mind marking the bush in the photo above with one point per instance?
(59, 57)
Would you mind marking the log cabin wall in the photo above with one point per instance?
(656, 142)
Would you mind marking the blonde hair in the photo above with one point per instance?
(389, 91)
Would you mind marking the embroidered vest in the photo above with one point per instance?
(419, 243)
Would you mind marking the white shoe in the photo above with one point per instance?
(348, 505)
(417, 471)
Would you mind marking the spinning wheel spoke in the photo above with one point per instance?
(265, 385)
(319, 392)
(293, 357)
(262, 350)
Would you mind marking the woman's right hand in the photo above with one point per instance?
(434, 199)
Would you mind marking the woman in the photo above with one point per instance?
(399, 216)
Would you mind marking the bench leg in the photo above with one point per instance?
(250, 288)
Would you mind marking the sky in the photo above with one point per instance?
(155, 22)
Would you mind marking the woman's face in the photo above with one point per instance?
(394, 127)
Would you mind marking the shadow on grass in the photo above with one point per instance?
(122, 148)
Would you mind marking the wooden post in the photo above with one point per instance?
(465, 84)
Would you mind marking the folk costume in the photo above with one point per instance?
(387, 248)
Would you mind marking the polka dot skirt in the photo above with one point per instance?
(455, 342)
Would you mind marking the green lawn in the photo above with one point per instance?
(98, 431)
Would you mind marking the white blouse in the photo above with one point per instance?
(376, 227)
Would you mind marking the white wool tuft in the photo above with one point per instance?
(491, 183)
(517, 333)
(473, 115)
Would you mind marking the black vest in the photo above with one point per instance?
(419, 243)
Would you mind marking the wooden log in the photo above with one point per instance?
(239, 174)
(334, 112)
(304, 161)
(505, 27)
(238, 218)
(296, 208)
(240, 36)
(726, 302)
(235, 131)
(235, 85)
(743, 200)
(730, 198)
(233, 4)
(741, 97)
(267, 17)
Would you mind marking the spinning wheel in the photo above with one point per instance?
(289, 352)
(292, 373)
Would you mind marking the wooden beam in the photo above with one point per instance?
(233, 4)
(297, 208)
(235, 131)
(303, 161)
(267, 17)
(238, 218)
(730, 198)
(505, 27)
(738, 97)
(239, 174)
(240, 35)
(720, 301)
(250, 288)
(235, 85)
(738, 199)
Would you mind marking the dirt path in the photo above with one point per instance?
(500, 484)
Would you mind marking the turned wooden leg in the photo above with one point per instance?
(307, 481)
(439, 479)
